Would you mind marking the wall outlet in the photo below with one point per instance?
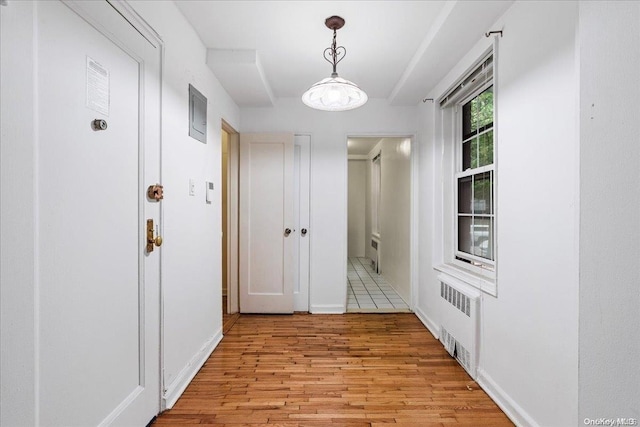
(192, 187)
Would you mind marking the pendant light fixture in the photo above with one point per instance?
(334, 93)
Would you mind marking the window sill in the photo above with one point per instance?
(482, 283)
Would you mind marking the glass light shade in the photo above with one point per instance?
(334, 94)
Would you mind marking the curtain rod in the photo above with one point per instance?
(488, 34)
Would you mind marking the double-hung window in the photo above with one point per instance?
(474, 180)
(469, 104)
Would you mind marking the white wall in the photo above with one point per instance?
(18, 310)
(530, 331)
(395, 214)
(191, 258)
(429, 218)
(328, 230)
(609, 210)
(357, 213)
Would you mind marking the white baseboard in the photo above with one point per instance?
(509, 406)
(327, 309)
(182, 380)
(427, 322)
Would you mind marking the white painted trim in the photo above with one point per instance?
(345, 242)
(508, 405)
(113, 416)
(186, 375)
(470, 278)
(414, 224)
(138, 22)
(311, 217)
(427, 322)
(327, 308)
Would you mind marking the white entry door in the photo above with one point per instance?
(98, 324)
(266, 223)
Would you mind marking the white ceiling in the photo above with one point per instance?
(398, 50)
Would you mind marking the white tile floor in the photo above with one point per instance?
(369, 291)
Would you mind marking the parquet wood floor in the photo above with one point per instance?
(332, 370)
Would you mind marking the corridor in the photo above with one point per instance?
(369, 292)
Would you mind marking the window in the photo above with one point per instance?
(474, 178)
(465, 128)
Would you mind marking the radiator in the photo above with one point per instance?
(375, 259)
(460, 322)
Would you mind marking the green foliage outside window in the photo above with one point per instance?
(477, 124)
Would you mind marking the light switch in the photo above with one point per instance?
(192, 187)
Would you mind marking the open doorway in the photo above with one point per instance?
(379, 224)
(229, 186)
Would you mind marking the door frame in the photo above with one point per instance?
(232, 231)
(413, 217)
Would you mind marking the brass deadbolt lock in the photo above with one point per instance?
(155, 192)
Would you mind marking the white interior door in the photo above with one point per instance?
(266, 223)
(301, 170)
(98, 288)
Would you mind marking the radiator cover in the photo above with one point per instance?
(460, 321)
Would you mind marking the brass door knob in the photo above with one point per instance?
(151, 240)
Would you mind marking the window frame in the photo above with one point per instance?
(486, 266)
(482, 73)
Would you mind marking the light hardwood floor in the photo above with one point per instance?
(332, 370)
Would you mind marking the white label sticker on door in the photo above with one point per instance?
(97, 87)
